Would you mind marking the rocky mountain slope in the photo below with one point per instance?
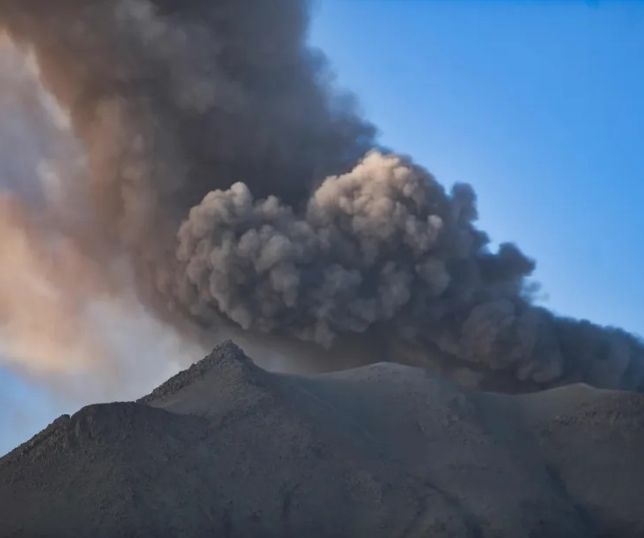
(228, 449)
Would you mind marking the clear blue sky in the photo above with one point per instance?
(25, 408)
(540, 105)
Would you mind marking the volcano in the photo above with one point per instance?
(226, 448)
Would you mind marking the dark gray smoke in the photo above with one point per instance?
(245, 190)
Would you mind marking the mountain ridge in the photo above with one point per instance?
(226, 448)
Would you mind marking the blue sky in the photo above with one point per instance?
(24, 409)
(540, 105)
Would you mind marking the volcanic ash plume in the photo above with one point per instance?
(62, 313)
(241, 189)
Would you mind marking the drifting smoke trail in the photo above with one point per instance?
(62, 313)
(243, 190)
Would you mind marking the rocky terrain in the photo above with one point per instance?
(228, 449)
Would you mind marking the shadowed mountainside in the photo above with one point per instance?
(228, 449)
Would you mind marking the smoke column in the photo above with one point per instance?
(70, 321)
(239, 189)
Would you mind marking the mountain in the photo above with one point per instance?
(228, 449)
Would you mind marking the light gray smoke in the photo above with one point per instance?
(245, 190)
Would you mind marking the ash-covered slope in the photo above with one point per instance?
(228, 449)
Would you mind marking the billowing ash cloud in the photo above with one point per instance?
(65, 317)
(243, 190)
